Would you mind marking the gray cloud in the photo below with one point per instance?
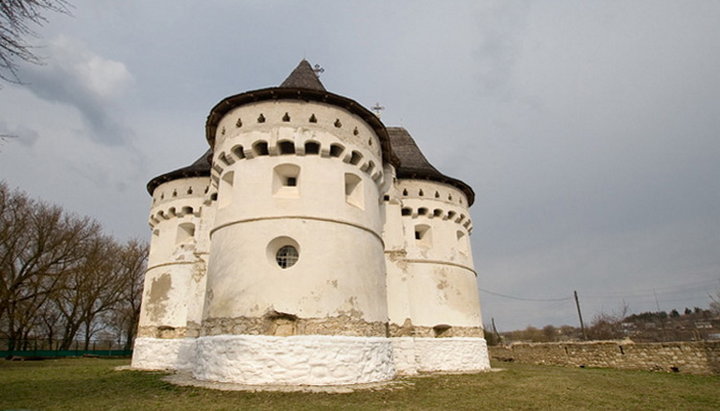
(20, 134)
(75, 76)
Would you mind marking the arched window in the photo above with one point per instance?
(312, 147)
(238, 152)
(336, 150)
(286, 147)
(260, 148)
(355, 158)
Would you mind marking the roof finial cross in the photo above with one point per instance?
(318, 70)
(377, 108)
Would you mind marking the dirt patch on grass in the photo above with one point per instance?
(185, 379)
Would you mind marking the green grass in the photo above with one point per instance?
(93, 384)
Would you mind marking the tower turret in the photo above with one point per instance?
(174, 289)
(297, 253)
(434, 311)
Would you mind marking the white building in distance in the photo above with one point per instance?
(311, 245)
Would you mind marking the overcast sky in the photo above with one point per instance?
(590, 131)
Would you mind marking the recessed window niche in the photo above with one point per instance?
(226, 189)
(462, 243)
(354, 191)
(185, 233)
(423, 235)
(286, 181)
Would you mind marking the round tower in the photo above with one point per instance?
(296, 278)
(434, 312)
(174, 287)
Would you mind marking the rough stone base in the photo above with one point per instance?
(163, 353)
(456, 354)
(293, 360)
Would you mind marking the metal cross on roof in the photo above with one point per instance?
(377, 108)
(318, 70)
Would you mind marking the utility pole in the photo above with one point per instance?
(582, 325)
(492, 319)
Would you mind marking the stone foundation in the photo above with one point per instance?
(685, 357)
(283, 325)
(294, 360)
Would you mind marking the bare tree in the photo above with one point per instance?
(17, 21)
(39, 245)
(715, 303)
(608, 326)
(131, 270)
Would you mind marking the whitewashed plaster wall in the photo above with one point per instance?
(340, 270)
(431, 280)
(294, 360)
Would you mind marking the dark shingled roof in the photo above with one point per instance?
(303, 77)
(200, 168)
(300, 86)
(414, 165)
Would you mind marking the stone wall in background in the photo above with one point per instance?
(685, 357)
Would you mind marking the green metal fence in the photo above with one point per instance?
(53, 349)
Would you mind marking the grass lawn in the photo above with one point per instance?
(93, 384)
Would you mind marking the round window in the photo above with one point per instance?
(286, 256)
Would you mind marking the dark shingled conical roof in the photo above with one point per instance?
(414, 165)
(303, 77)
(200, 168)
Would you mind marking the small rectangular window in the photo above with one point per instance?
(286, 180)
(423, 235)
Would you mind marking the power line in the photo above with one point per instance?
(697, 286)
(525, 299)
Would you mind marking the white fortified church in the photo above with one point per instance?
(311, 245)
